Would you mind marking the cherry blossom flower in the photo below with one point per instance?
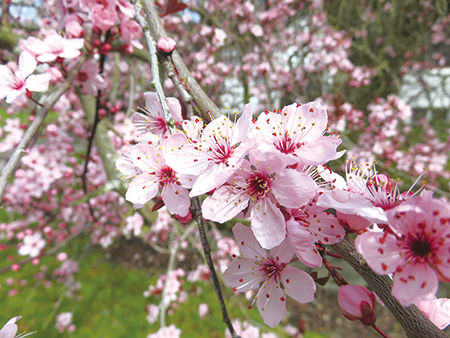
(64, 322)
(53, 47)
(216, 156)
(258, 186)
(16, 80)
(203, 310)
(308, 225)
(158, 176)
(356, 303)
(268, 272)
(415, 250)
(32, 245)
(90, 79)
(151, 119)
(297, 133)
(166, 332)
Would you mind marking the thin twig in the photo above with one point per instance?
(34, 127)
(203, 102)
(207, 249)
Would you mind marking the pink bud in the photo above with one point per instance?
(357, 302)
(166, 45)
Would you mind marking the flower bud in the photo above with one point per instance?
(166, 45)
(357, 302)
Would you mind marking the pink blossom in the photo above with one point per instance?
(166, 332)
(269, 273)
(103, 17)
(151, 119)
(203, 310)
(90, 79)
(32, 245)
(309, 225)
(55, 46)
(166, 45)
(356, 303)
(74, 29)
(158, 176)
(130, 31)
(63, 321)
(16, 80)
(216, 156)
(416, 250)
(297, 133)
(258, 186)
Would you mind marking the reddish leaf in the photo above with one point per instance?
(173, 6)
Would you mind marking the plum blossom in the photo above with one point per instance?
(166, 332)
(16, 80)
(356, 303)
(257, 187)
(90, 79)
(268, 272)
(415, 250)
(296, 132)
(216, 156)
(9, 330)
(309, 225)
(32, 245)
(151, 119)
(203, 310)
(54, 46)
(157, 176)
(64, 322)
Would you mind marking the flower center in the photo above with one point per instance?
(17, 83)
(421, 247)
(166, 175)
(258, 185)
(285, 144)
(221, 151)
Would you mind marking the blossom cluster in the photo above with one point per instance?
(270, 170)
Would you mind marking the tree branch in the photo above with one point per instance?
(202, 100)
(411, 318)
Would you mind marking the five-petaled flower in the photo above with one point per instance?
(268, 272)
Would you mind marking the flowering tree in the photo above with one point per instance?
(267, 101)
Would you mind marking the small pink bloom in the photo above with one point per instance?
(90, 79)
(151, 119)
(166, 45)
(203, 310)
(74, 29)
(103, 17)
(215, 155)
(258, 186)
(268, 272)
(16, 80)
(356, 303)
(296, 133)
(416, 249)
(309, 225)
(130, 31)
(32, 245)
(55, 46)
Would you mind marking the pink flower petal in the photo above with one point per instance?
(142, 189)
(224, 204)
(414, 282)
(271, 303)
(176, 198)
(293, 189)
(241, 275)
(267, 223)
(298, 284)
(248, 245)
(380, 250)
